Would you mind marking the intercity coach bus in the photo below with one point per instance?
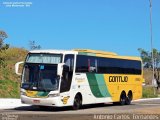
(79, 77)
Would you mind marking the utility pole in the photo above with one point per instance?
(150, 1)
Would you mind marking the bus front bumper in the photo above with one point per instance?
(50, 101)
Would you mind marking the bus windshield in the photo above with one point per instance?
(42, 77)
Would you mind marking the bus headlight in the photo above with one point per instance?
(53, 95)
(23, 93)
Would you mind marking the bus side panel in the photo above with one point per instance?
(98, 87)
(81, 85)
(116, 86)
(92, 87)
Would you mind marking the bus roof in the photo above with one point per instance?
(88, 52)
(95, 51)
(104, 54)
(54, 51)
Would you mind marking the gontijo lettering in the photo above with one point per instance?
(118, 79)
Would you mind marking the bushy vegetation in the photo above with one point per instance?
(9, 81)
(9, 89)
(11, 55)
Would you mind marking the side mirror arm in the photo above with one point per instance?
(17, 67)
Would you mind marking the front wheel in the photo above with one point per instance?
(77, 102)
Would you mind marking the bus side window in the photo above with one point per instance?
(67, 73)
(92, 65)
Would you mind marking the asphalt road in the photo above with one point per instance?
(86, 113)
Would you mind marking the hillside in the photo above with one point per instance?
(9, 81)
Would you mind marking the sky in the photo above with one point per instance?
(120, 26)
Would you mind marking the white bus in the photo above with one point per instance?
(78, 77)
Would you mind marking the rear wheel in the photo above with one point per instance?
(129, 98)
(122, 98)
(77, 102)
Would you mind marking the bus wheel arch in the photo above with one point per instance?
(77, 102)
(129, 97)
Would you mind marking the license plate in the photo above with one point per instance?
(36, 101)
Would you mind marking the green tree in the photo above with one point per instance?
(3, 47)
(147, 62)
(3, 36)
(33, 46)
(147, 58)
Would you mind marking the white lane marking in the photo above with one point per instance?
(146, 99)
(148, 104)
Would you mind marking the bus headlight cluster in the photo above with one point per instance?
(23, 93)
(53, 95)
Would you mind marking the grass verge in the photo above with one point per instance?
(148, 92)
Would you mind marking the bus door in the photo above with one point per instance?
(67, 76)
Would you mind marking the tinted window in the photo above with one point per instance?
(119, 66)
(107, 65)
(82, 63)
(67, 73)
(87, 64)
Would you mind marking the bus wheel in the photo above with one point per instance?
(122, 98)
(129, 98)
(77, 102)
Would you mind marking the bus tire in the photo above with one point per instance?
(77, 102)
(122, 100)
(129, 98)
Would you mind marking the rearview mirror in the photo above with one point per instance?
(60, 69)
(17, 67)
